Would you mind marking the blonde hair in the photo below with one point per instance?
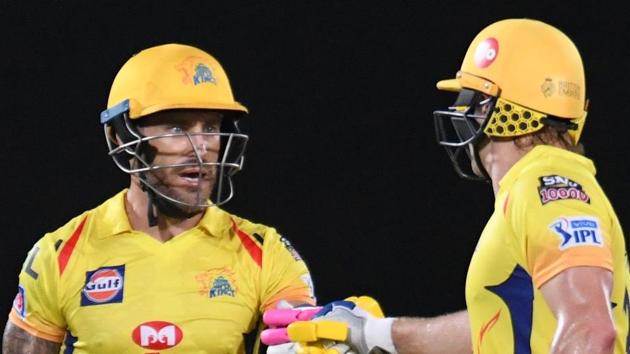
(549, 135)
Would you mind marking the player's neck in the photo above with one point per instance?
(499, 159)
(136, 206)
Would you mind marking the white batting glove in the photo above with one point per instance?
(358, 322)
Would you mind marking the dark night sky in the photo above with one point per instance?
(342, 158)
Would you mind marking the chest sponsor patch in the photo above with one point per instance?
(157, 335)
(104, 285)
(576, 231)
(555, 187)
(19, 303)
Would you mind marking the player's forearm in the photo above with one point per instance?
(444, 334)
(18, 341)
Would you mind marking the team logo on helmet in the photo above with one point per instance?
(157, 335)
(203, 74)
(195, 71)
(486, 52)
(103, 286)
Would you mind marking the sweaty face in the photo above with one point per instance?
(185, 144)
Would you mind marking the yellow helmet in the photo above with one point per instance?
(171, 76)
(167, 77)
(532, 68)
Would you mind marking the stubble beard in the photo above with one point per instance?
(192, 200)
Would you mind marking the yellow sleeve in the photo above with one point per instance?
(36, 307)
(558, 234)
(284, 273)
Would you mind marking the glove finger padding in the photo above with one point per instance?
(278, 319)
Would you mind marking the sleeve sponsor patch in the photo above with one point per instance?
(19, 303)
(306, 278)
(576, 231)
(555, 187)
(290, 248)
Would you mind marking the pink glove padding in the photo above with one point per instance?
(279, 319)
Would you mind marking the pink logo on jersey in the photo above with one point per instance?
(486, 52)
(19, 303)
(157, 335)
(104, 285)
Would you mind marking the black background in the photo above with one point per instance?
(342, 158)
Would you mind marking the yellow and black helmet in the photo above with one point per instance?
(532, 68)
(518, 75)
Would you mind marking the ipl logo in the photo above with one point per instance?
(577, 231)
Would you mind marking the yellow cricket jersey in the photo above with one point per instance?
(550, 214)
(101, 287)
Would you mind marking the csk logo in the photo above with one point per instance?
(195, 71)
(221, 286)
(217, 282)
(203, 74)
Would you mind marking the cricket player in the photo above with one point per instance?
(159, 267)
(549, 273)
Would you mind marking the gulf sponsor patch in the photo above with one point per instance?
(555, 187)
(576, 231)
(19, 303)
(104, 285)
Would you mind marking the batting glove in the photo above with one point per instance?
(358, 322)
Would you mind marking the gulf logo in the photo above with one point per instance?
(103, 286)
